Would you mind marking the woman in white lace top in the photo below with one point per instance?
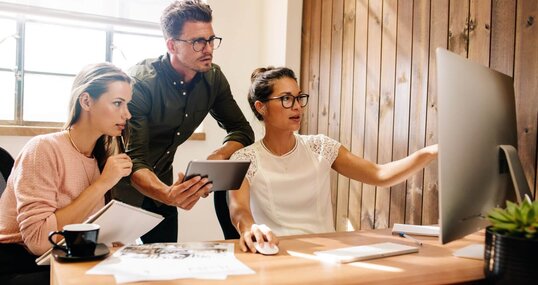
(287, 187)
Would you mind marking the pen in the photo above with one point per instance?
(404, 235)
(121, 144)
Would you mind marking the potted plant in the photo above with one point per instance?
(511, 248)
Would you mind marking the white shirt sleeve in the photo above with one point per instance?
(247, 154)
(324, 146)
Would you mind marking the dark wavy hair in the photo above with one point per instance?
(94, 80)
(178, 12)
(262, 82)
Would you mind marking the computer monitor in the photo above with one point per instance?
(478, 164)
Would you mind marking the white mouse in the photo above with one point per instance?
(266, 249)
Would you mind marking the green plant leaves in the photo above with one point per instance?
(516, 220)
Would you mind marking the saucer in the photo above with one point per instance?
(101, 251)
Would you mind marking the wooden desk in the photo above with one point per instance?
(434, 264)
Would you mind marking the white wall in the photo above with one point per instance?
(255, 33)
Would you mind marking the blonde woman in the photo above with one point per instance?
(61, 178)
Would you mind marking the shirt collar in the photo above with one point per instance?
(172, 75)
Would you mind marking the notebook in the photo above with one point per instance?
(416, 230)
(119, 222)
(365, 252)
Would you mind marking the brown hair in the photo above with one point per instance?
(94, 80)
(262, 81)
(178, 12)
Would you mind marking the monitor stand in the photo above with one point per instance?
(521, 187)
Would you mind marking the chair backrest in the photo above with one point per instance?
(6, 164)
(220, 200)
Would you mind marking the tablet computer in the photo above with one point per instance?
(224, 174)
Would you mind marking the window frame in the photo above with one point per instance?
(27, 14)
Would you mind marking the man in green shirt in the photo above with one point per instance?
(172, 95)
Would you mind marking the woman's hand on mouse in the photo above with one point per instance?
(257, 233)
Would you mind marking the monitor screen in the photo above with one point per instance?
(476, 126)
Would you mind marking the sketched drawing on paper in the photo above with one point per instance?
(176, 250)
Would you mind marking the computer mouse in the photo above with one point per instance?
(266, 249)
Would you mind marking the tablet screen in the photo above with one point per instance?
(224, 174)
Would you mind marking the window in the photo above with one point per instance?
(8, 34)
(53, 54)
(125, 55)
(42, 49)
(40, 55)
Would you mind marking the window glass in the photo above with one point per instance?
(8, 44)
(7, 95)
(140, 10)
(55, 47)
(62, 49)
(127, 51)
(46, 97)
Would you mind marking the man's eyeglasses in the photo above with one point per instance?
(199, 44)
(289, 100)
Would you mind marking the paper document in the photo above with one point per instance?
(365, 252)
(119, 222)
(473, 251)
(167, 261)
(423, 230)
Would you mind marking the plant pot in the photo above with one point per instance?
(510, 260)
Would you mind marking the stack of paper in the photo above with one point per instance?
(167, 261)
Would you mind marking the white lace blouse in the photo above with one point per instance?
(291, 193)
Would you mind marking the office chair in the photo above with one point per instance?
(220, 200)
(6, 163)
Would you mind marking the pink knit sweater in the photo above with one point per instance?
(48, 174)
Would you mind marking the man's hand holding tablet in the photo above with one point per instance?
(223, 174)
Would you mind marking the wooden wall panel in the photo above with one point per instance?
(372, 106)
(419, 98)
(370, 68)
(438, 38)
(479, 31)
(325, 77)
(346, 109)
(526, 84)
(503, 36)
(401, 104)
(334, 99)
(305, 57)
(359, 105)
(386, 105)
(458, 33)
(325, 66)
(314, 67)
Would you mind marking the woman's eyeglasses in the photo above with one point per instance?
(288, 100)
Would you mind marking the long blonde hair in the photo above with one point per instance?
(94, 80)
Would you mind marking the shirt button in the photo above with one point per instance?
(186, 115)
(168, 152)
(175, 83)
(184, 93)
(177, 134)
(181, 82)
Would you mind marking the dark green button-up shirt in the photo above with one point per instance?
(165, 112)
